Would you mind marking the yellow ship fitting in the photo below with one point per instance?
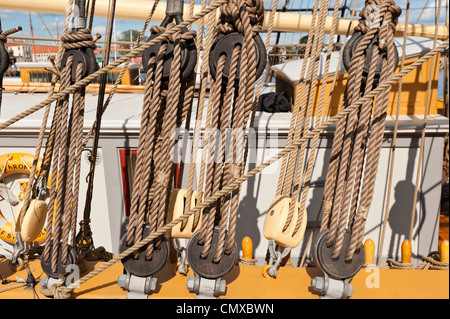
(443, 251)
(406, 252)
(275, 231)
(31, 224)
(177, 208)
(247, 252)
(275, 222)
(369, 248)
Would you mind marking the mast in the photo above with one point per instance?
(32, 35)
(283, 21)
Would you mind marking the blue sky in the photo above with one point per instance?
(11, 18)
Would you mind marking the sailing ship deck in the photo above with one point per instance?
(247, 282)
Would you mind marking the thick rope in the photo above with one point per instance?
(227, 189)
(237, 16)
(324, 113)
(432, 262)
(161, 113)
(424, 125)
(394, 139)
(85, 81)
(377, 129)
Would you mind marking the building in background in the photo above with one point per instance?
(19, 51)
(41, 53)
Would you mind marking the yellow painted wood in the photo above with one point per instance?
(25, 74)
(246, 282)
(412, 102)
(443, 251)
(406, 251)
(369, 249)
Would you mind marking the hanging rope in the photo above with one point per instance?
(226, 190)
(394, 139)
(324, 114)
(344, 184)
(229, 109)
(67, 154)
(162, 112)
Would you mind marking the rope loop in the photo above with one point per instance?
(184, 36)
(77, 40)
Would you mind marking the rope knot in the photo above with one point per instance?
(231, 16)
(376, 14)
(81, 39)
(183, 36)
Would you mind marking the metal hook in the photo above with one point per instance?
(275, 253)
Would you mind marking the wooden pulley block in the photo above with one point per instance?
(225, 44)
(31, 223)
(62, 268)
(84, 56)
(188, 57)
(206, 267)
(349, 52)
(177, 203)
(276, 219)
(336, 268)
(4, 59)
(141, 266)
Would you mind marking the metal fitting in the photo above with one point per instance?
(175, 8)
(206, 288)
(330, 288)
(48, 282)
(79, 15)
(137, 287)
